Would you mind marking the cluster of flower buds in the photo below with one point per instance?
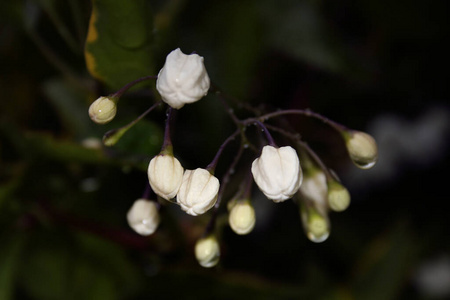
(281, 173)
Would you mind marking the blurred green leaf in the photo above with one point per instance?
(201, 284)
(89, 282)
(118, 45)
(61, 265)
(110, 259)
(301, 31)
(7, 190)
(10, 251)
(46, 268)
(43, 145)
(144, 138)
(386, 264)
(49, 6)
(71, 107)
(241, 30)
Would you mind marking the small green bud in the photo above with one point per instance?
(338, 196)
(113, 136)
(315, 223)
(103, 110)
(362, 148)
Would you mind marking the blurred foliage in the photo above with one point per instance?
(118, 44)
(63, 198)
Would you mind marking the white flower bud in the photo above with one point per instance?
(362, 149)
(198, 191)
(183, 79)
(277, 172)
(103, 110)
(314, 188)
(165, 174)
(207, 251)
(338, 196)
(143, 216)
(242, 217)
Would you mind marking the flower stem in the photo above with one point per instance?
(147, 191)
(112, 136)
(248, 185)
(267, 133)
(167, 144)
(296, 138)
(225, 181)
(125, 88)
(212, 166)
(305, 112)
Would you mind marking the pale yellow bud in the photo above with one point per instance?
(242, 217)
(207, 251)
(318, 229)
(362, 149)
(103, 110)
(165, 175)
(338, 196)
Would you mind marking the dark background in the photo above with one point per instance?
(376, 66)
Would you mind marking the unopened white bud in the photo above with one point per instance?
(314, 188)
(103, 110)
(183, 79)
(242, 217)
(362, 149)
(277, 172)
(143, 216)
(207, 251)
(198, 191)
(165, 175)
(338, 196)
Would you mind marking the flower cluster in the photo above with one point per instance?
(293, 171)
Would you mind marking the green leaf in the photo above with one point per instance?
(62, 265)
(144, 138)
(109, 259)
(386, 264)
(71, 107)
(9, 258)
(118, 45)
(45, 268)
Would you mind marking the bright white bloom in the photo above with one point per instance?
(314, 188)
(183, 79)
(165, 174)
(198, 191)
(277, 172)
(207, 251)
(242, 217)
(143, 217)
(102, 110)
(362, 149)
